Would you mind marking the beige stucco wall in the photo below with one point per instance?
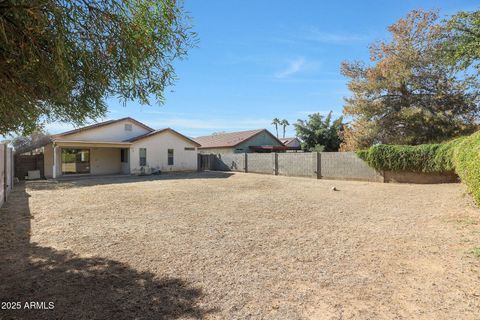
(125, 166)
(112, 132)
(105, 161)
(157, 153)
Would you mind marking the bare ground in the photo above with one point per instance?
(240, 246)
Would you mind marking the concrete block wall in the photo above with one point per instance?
(230, 162)
(261, 163)
(420, 177)
(327, 165)
(297, 164)
(347, 166)
(324, 165)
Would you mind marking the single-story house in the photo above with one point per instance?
(292, 143)
(123, 146)
(260, 140)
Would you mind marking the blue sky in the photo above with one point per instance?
(257, 60)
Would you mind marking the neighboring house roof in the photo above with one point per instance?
(231, 139)
(292, 143)
(287, 140)
(155, 132)
(101, 124)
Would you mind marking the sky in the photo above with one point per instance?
(258, 59)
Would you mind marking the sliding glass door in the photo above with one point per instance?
(75, 161)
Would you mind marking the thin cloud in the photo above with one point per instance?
(293, 67)
(313, 34)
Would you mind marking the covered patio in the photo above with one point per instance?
(74, 158)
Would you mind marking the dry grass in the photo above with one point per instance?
(241, 246)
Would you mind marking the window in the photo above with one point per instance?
(143, 157)
(128, 127)
(123, 155)
(170, 157)
(189, 149)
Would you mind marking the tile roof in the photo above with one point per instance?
(226, 140)
(101, 124)
(155, 132)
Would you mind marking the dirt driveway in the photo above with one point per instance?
(240, 246)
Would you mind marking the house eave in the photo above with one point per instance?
(90, 143)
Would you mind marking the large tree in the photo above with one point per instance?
(408, 95)
(320, 133)
(59, 59)
(462, 35)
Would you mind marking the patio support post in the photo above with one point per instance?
(55, 162)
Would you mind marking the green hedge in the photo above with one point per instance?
(422, 158)
(466, 158)
(461, 155)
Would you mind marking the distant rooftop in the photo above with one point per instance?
(227, 140)
(287, 140)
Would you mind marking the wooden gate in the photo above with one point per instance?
(25, 163)
(206, 162)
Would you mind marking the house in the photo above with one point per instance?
(292, 143)
(123, 146)
(260, 140)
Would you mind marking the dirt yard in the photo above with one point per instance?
(240, 246)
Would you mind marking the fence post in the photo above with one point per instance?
(275, 163)
(316, 165)
(245, 169)
(319, 165)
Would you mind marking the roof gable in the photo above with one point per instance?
(156, 132)
(102, 124)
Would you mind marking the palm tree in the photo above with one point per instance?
(284, 123)
(276, 122)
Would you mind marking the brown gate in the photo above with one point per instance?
(25, 163)
(206, 162)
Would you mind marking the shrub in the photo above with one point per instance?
(422, 158)
(466, 158)
(461, 155)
